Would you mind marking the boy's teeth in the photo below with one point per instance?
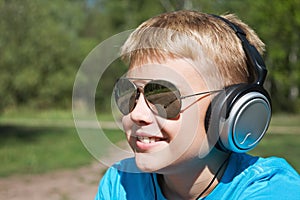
(146, 140)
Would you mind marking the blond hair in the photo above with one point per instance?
(186, 31)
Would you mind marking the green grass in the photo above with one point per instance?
(38, 150)
(286, 120)
(24, 115)
(48, 118)
(30, 150)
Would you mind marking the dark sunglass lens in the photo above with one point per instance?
(125, 94)
(164, 98)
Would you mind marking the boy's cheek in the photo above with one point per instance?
(126, 123)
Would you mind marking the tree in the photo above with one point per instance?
(39, 44)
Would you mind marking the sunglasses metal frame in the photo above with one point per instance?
(140, 89)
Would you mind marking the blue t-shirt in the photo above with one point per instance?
(246, 177)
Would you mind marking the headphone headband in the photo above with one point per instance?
(254, 58)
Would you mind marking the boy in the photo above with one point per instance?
(193, 103)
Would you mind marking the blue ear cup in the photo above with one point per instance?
(239, 117)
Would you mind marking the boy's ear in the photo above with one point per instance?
(238, 117)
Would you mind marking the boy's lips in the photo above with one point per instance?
(147, 143)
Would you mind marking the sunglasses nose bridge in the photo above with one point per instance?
(139, 91)
(141, 113)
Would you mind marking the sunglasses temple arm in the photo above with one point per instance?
(191, 95)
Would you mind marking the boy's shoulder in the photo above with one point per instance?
(253, 165)
(249, 177)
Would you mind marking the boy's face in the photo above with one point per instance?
(166, 144)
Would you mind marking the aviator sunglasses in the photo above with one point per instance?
(162, 97)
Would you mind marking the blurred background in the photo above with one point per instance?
(43, 43)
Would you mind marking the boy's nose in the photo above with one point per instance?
(141, 114)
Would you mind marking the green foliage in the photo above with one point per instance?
(39, 39)
(43, 43)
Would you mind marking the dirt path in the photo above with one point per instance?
(78, 184)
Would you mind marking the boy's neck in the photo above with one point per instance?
(194, 178)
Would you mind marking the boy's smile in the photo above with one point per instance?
(145, 142)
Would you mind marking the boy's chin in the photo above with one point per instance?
(147, 162)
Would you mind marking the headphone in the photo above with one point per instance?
(239, 117)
